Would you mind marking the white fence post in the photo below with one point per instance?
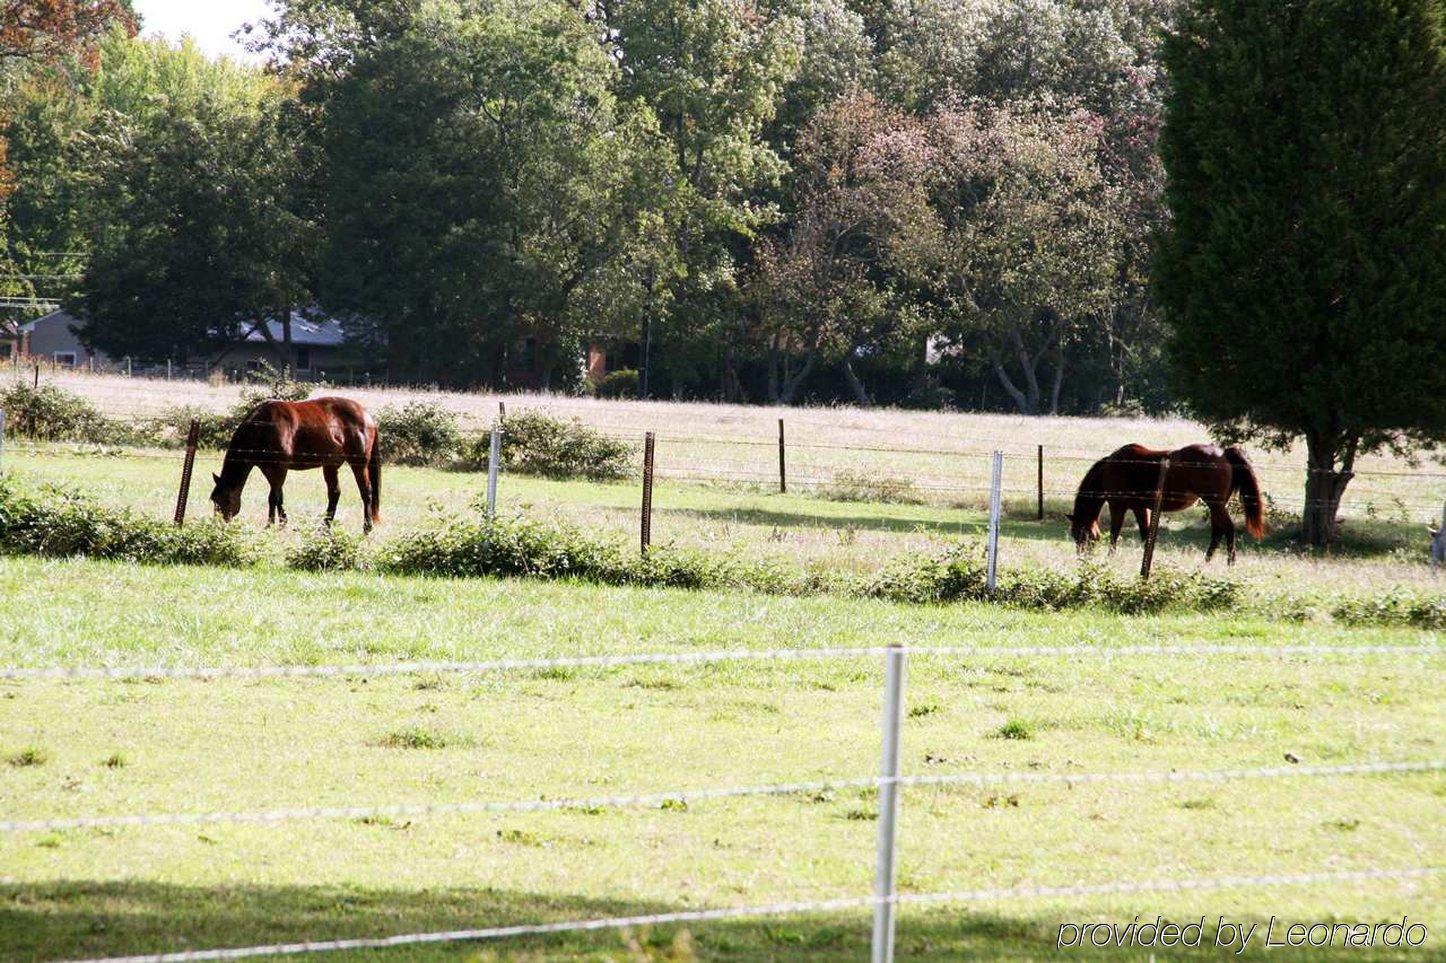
(886, 868)
(996, 482)
(2, 438)
(494, 455)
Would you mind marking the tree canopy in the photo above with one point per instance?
(1306, 151)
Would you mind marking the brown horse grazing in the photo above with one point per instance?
(1127, 479)
(325, 433)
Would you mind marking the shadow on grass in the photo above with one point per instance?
(67, 920)
(1359, 538)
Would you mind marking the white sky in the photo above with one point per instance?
(209, 22)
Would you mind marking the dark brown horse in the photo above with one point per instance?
(1128, 477)
(279, 436)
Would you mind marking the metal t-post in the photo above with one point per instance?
(193, 437)
(494, 457)
(1149, 557)
(886, 870)
(645, 527)
(996, 480)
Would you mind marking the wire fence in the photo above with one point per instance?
(885, 899)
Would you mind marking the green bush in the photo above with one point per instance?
(419, 433)
(172, 425)
(48, 413)
(60, 522)
(858, 486)
(622, 383)
(959, 574)
(325, 548)
(537, 444)
(1397, 607)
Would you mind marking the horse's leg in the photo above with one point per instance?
(333, 490)
(275, 477)
(1217, 528)
(1142, 519)
(1117, 522)
(1229, 525)
(363, 485)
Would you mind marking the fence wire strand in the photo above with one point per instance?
(23, 673)
(654, 800)
(1125, 887)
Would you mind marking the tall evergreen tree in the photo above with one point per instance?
(1305, 146)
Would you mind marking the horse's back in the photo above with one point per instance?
(310, 433)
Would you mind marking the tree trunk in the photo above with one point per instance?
(1058, 379)
(1021, 401)
(792, 382)
(1324, 486)
(861, 394)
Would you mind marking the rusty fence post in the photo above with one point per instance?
(646, 529)
(1154, 532)
(192, 437)
(782, 463)
(1041, 483)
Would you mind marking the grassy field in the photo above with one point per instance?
(94, 748)
(232, 744)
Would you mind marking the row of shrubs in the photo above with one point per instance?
(417, 433)
(58, 522)
(54, 521)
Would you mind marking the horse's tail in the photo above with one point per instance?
(374, 475)
(1243, 480)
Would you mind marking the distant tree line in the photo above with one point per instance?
(1234, 206)
(926, 203)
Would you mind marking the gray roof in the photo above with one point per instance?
(311, 330)
(306, 329)
(29, 326)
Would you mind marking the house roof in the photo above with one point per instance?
(29, 326)
(306, 329)
(310, 330)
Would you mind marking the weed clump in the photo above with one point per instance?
(419, 433)
(537, 444)
(325, 548)
(858, 486)
(60, 522)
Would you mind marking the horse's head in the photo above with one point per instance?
(226, 498)
(1084, 533)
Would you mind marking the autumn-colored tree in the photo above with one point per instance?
(46, 31)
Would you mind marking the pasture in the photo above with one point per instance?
(76, 748)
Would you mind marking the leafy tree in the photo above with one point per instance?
(1009, 234)
(190, 221)
(824, 288)
(482, 181)
(47, 31)
(1306, 151)
(714, 72)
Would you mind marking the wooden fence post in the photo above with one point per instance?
(1149, 559)
(646, 529)
(782, 464)
(501, 412)
(1041, 483)
(187, 467)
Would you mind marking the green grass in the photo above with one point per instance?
(793, 529)
(231, 744)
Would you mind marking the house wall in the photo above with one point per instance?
(332, 360)
(52, 336)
